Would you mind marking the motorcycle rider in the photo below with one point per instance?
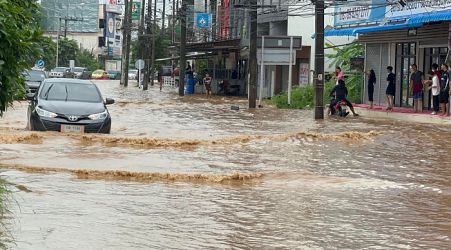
(340, 92)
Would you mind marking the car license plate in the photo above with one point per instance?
(65, 128)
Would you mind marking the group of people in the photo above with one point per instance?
(439, 86)
(389, 92)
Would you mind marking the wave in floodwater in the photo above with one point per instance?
(145, 142)
(233, 178)
(187, 144)
(33, 138)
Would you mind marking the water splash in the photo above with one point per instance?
(233, 178)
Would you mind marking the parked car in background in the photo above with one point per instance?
(33, 79)
(61, 72)
(114, 74)
(133, 74)
(99, 74)
(82, 73)
(69, 106)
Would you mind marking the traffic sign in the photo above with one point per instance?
(139, 64)
(40, 63)
(203, 20)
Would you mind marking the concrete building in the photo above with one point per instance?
(93, 24)
(398, 34)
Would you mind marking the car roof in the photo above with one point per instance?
(68, 80)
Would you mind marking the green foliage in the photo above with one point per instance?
(342, 57)
(302, 98)
(19, 38)
(67, 51)
(48, 53)
(86, 59)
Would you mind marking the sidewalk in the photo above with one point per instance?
(401, 114)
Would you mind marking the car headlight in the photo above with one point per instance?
(45, 113)
(99, 116)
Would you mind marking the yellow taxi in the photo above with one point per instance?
(99, 74)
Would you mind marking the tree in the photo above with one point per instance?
(67, 51)
(20, 35)
(342, 57)
(86, 59)
(48, 52)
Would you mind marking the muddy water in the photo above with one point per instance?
(194, 174)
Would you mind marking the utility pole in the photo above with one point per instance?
(126, 38)
(142, 30)
(319, 60)
(58, 42)
(252, 84)
(163, 17)
(147, 44)
(154, 36)
(182, 49)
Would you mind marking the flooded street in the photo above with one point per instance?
(190, 173)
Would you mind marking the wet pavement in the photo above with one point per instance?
(191, 173)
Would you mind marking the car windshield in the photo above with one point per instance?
(98, 72)
(79, 69)
(34, 75)
(112, 72)
(77, 92)
(133, 71)
(60, 69)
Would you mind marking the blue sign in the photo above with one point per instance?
(40, 63)
(203, 20)
(351, 14)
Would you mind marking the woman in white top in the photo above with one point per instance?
(435, 86)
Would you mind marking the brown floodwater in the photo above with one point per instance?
(191, 173)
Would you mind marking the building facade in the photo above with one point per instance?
(398, 34)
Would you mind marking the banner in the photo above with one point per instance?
(357, 12)
(136, 11)
(110, 26)
(113, 6)
(304, 74)
(415, 7)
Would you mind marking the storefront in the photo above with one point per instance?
(398, 36)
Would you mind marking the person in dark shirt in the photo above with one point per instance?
(444, 90)
(391, 88)
(371, 82)
(340, 92)
(416, 86)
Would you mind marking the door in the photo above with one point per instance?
(405, 57)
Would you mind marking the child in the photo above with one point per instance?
(207, 83)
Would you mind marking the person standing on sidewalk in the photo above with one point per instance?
(444, 93)
(391, 88)
(371, 81)
(435, 87)
(416, 86)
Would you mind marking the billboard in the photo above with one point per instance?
(110, 26)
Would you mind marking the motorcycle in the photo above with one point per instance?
(339, 108)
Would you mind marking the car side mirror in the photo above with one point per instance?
(109, 101)
(30, 96)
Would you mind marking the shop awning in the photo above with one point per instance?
(371, 29)
(430, 17)
(411, 22)
(340, 32)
